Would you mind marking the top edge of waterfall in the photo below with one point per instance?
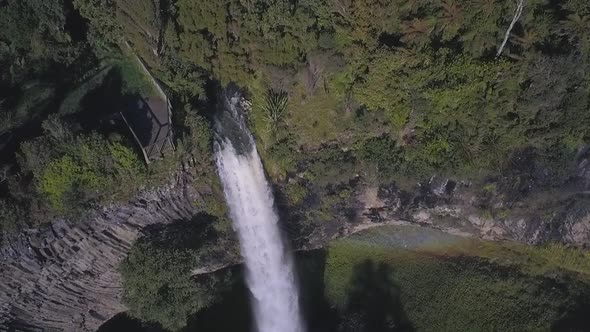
(230, 121)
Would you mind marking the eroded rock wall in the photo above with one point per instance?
(65, 278)
(524, 210)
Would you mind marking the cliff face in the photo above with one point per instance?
(521, 207)
(65, 278)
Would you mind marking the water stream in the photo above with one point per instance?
(269, 267)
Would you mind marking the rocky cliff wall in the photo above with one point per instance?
(517, 207)
(65, 278)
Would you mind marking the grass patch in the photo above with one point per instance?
(317, 119)
(445, 284)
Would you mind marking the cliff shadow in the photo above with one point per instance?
(374, 303)
(124, 322)
(575, 320)
(318, 314)
(193, 233)
(231, 313)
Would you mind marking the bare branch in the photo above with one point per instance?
(4, 169)
(516, 17)
(314, 73)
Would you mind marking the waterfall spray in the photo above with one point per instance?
(269, 267)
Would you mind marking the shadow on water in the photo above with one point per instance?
(232, 313)
(374, 303)
(577, 319)
(317, 312)
(123, 322)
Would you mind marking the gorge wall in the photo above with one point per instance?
(519, 208)
(65, 277)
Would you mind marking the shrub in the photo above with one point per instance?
(157, 274)
(159, 286)
(200, 137)
(382, 153)
(275, 109)
(11, 216)
(75, 172)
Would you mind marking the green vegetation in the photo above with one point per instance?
(392, 278)
(91, 167)
(342, 92)
(157, 273)
(71, 172)
(274, 109)
(405, 89)
(442, 287)
(64, 150)
(78, 161)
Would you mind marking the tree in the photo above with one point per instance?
(158, 282)
(451, 20)
(417, 32)
(103, 23)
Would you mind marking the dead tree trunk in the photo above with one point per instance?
(517, 14)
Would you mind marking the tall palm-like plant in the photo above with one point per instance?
(576, 24)
(575, 29)
(275, 109)
(451, 19)
(528, 39)
(416, 31)
(526, 42)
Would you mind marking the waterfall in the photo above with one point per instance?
(269, 267)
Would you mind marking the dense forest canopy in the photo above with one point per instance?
(399, 88)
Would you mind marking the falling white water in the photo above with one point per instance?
(270, 274)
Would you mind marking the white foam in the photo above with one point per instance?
(270, 273)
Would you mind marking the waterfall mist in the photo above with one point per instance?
(269, 267)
